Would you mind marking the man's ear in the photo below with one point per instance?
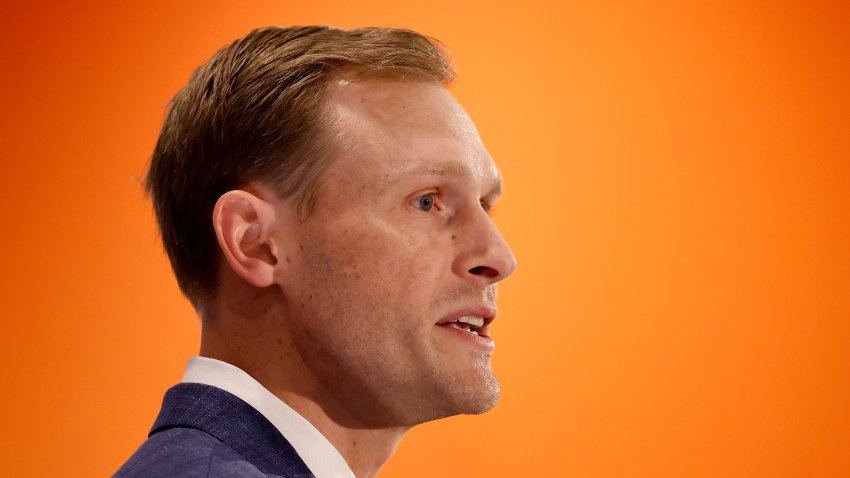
(243, 225)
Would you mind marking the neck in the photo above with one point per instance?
(364, 449)
(262, 347)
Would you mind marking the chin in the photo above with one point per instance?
(475, 400)
(478, 393)
(468, 400)
(487, 400)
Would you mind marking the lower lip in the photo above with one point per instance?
(477, 341)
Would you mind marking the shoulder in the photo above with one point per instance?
(186, 453)
(206, 432)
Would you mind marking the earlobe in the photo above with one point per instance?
(243, 226)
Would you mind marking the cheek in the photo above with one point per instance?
(377, 251)
(368, 269)
(367, 296)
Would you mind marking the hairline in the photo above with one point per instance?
(329, 140)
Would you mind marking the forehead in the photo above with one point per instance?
(389, 127)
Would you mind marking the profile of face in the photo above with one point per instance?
(398, 247)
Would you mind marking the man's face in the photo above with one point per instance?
(399, 245)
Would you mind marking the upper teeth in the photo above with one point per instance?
(474, 320)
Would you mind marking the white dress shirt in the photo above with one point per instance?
(315, 450)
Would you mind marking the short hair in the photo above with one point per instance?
(254, 113)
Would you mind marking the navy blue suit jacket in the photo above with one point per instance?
(203, 431)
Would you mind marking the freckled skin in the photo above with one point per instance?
(368, 274)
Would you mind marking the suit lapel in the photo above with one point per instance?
(234, 422)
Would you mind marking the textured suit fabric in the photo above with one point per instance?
(203, 431)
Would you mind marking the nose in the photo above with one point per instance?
(482, 252)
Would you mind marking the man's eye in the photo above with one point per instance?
(425, 202)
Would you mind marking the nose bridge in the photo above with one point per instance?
(483, 251)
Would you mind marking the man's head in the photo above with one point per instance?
(256, 113)
(348, 241)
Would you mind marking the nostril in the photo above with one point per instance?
(484, 271)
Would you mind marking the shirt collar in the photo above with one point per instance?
(320, 456)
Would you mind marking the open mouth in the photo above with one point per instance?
(472, 324)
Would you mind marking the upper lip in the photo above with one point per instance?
(485, 312)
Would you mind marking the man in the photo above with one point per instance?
(324, 204)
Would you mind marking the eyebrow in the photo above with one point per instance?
(456, 169)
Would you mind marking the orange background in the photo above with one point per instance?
(676, 193)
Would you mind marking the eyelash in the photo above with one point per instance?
(487, 207)
(438, 199)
